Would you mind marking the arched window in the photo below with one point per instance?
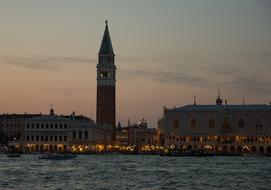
(176, 123)
(259, 125)
(226, 125)
(241, 123)
(211, 123)
(193, 123)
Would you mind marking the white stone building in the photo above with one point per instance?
(38, 133)
(220, 127)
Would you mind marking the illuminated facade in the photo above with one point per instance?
(137, 135)
(55, 133)
(46, 133)
(233, 129)
(85, 136)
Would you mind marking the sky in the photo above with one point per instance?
(166, 53)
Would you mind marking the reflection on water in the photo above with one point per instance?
(135, 172)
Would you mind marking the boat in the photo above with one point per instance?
(57, 156)
(14, 155)
(198, 153)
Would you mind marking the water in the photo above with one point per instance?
(135, 172)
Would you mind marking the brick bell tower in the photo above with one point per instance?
(106, 83)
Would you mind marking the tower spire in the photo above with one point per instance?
(52, 110)
(106, 45)
(195, 99)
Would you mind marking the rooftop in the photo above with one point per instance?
(251, 107)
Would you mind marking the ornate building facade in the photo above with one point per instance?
(137, 134)
(233, 129)
(106, 83)
(56, 133)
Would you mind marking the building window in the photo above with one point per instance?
(211, 123)
(32, 125)
(41, 138)
(42, 125)
(74, 134)
(86, 134)
(37, 126)
(65, 126)
(65, 138)
(37, 138)
(80, 135)
(47, 125)
(51, 138)
(55, 138)
(226, 124)
(46, 138)
(32, 138)
(52, 126)
(60, 125)
(176, 123)
(27, 138)
(28, 125)
(56, 126)
(259, 125)
(60, 138)
(193, 123)
(241, 123)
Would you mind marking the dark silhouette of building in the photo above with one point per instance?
(106, 81)
(137, 135)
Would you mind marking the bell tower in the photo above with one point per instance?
(106, 83)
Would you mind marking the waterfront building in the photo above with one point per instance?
(137, 135)
(56, 133)
(86, 136)
(220, 127)
(106, 83)
(12, 125)
(46, 133)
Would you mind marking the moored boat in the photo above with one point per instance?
(57, 156)
(198, 153)
(14, 155)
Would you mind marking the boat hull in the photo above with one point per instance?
(57, 156)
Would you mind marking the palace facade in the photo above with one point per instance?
(233, 129)
(54, 133)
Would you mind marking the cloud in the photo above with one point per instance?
(246, 72)
(44, 62)
(67, 90)
(171, 77)
(250, 85)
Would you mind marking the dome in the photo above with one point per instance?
(219, 101)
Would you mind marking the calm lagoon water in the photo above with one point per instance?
(135, 172)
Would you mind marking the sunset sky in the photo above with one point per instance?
(166, 51)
